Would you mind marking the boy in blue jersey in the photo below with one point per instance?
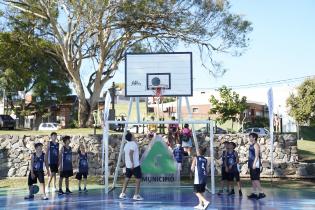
(37, 171)
(83, 167)
(52, 155)
(223, 171)
(254, 163)
(178, 153)
(199, 167)
(65, 165)
(231, 168)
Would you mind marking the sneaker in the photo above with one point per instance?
(261, 195)
(198, 207)
(60, 192)
(44, 198)
(80, 190)
(122, 196)
(232, 192)
(68, 191)
(29, 197)
(137, 198)
(220, 192)
(48, 190)
(53, 189)
(206, 204)
(251, 196)
(240, 193)
(85, 190)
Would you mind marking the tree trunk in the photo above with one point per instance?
(83, 109)
(93, 105)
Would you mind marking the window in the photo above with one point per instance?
(195, 110)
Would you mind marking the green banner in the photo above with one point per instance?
(158, 164)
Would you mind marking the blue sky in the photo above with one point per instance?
(282, 45)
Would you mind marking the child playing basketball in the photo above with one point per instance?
(37, 171)
(231, 168)
(254, 164)
(223, 172)
(65, 165)
(52, 155)
(199, 167)
(178, 153)
(83, 167)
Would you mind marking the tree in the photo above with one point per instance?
(302, 105)
(102, 31)
(229, 106)
(26, 65)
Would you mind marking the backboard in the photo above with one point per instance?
(147, 71)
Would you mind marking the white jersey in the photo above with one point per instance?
(131, 145)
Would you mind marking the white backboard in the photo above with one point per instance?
(173, 70)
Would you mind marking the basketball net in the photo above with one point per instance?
(158, 94)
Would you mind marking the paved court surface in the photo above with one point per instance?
(155, 198)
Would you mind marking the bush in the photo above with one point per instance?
(73, 124)
(260, 122)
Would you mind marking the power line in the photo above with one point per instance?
(262, 84)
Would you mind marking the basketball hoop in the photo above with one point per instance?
(158, 93)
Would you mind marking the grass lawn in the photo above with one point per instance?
(74, 131)
(306, 149)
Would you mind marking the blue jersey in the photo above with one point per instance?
(83, 163)
(67, 159)
(200, 170)
(53, 153)
(251, 157)
(230, 158)
(223, 158)
(38, 162)
(178, 153)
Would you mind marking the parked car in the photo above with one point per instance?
(204, 131)
(259, 131)
(6, 121)
(49, 126)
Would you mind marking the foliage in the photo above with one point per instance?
(229, 106)
(26, 65)
(260, 122)
(169, 99)
(103, 31)
(302, 105)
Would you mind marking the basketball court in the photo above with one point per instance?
(159, 198)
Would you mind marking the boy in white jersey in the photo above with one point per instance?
(199, 167)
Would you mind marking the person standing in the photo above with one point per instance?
(254, 164)
(65, 165)
(52, 155)
(223, 171)
(173, 130)
(231, 168)
(199, 167)
(83, 167)
(38, 159)
(133, 168)
(186, 136)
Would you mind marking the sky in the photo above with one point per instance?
(281, 46)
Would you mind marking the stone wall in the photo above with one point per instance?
(15, 153)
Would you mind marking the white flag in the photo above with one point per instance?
(108, 101)
(270, 106)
